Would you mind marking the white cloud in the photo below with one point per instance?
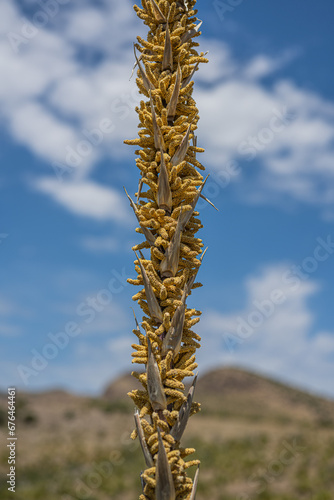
(262, 65)
(289, 131)
(57, 104)
(87, 26)
(101, 244)
(221, 63)
(273, 333)
(86, 198)
(51, 98)
(29, 123)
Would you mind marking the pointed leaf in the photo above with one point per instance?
(181, 151)
(139, 189)
(186, 216)
(192, 279)
(165, 489)
(164, 198)
(154, 385)
(189, 34)
(152, 302)
(137, 324)
(146, 452)
(157, 12)
(167, 61)
(158, 138)
(132, 203)
(134, 66)
(147, 84)
(190, 77)
(194, 490)
(173, 339)
(210, 202)
(184, 413)
(171, 109)
(170, 264)
(147, 233)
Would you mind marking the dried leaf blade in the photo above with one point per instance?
(181, 151)
(184, 413)
(165, 489)
(167, 61)
(173, 339)
(195, 484)
(154, 385)
(157, 12)
(170, 264)
(171, 108)
(146, 82)
(147, 455)
(186, 216)
(158, 138)
(147, 233)
(152, 302)
(164, 197)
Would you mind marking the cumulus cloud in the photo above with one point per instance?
(262, 65)
(68, 99)
(51, 98)
(288, 131)
(86, 198)
(273, 333)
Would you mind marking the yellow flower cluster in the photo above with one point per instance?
(168, 220)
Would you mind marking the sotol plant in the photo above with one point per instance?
(166, 212)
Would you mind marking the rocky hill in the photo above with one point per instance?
(257, 439)
(229, 392)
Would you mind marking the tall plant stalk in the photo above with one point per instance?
(167, 218)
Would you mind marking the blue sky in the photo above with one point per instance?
(266, 102)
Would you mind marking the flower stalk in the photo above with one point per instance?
(170, 254)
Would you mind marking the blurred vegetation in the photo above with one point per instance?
(258, 440)
(242, 468)
(112, 406)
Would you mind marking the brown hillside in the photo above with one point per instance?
(246, 423)
(233, 392)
